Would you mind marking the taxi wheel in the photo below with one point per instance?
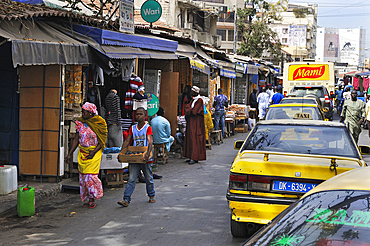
(238, 229)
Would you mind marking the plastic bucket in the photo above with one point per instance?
(26, 201)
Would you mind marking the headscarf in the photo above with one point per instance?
(90, 107)
(96, 123)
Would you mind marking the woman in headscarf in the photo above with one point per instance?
(92, 135)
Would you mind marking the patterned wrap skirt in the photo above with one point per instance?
(90, 187)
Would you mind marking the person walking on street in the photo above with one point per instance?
(90, 137)
(195, 135)
(113, 119)
(263, 100)
(353, 114)
(277, 97)
(219, 104)
(253, 99)
(142, 135)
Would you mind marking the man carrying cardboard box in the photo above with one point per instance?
(142, 136)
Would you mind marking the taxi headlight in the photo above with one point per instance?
(326, 109)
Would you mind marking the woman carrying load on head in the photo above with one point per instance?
(92, 135)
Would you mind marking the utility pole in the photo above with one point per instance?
(235, 29)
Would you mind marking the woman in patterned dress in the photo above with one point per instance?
(92, 135)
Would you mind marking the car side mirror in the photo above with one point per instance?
(238, 144)
(364, 149)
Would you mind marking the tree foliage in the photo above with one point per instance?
(104, 9)
(257, 36)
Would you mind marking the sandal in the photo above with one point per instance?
(92, 204)
(152, 200)
(123, 203)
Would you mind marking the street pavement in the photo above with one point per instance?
(191, 209)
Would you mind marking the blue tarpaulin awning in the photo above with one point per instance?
(106, 37)
(228, 73)
(364, 73)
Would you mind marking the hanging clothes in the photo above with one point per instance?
(356, 83)
(135, 82)
(366, 84)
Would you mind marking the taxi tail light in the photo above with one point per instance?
(327, 99)
(285, 92)
(238, 182)
(259, 183)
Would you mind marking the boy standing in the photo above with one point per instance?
(142, 135)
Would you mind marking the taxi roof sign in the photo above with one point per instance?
(302, 116)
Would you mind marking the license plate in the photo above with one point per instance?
(292, 186)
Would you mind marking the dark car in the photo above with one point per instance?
(335, 213)
(321, 92)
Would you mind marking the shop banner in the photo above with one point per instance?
(153, 104)
(252, 69)
(126, 13)
(240, 68)
(200, 66)
(227, 73)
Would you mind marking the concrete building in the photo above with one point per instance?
(194, 18)
(298, 35)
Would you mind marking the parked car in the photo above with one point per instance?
(294, 111)
(279, 161)
(321, 92)
(334, 213)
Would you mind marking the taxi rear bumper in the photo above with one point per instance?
(259, 199)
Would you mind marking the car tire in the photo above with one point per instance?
(238, 229)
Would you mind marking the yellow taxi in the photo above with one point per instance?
(334, 213)
(279, 161)
(294, 111)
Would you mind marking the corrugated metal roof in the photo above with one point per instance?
(10, 10)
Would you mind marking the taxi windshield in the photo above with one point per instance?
(306, 139)
(340, 217)
(289, 112)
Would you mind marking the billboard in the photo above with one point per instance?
(126, 16)
(349, 44)
(297, 35)
(331, 43)
(308, 72)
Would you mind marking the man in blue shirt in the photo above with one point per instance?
(161, 130)
(276, 98)
(220, 103)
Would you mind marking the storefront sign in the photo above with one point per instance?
(153, 104)
(151, 11)
(200, 66)
(239, 68)
(252, 69)
(126, 16)
(227, 73)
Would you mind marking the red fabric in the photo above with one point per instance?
(195, 134)
(366, 83)
(356, 82)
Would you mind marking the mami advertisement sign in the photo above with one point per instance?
(151, 11)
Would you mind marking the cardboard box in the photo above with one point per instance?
(139, 158)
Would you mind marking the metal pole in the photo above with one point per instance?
(235, 29)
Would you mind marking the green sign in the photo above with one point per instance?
(153, 104)
(151, 11)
